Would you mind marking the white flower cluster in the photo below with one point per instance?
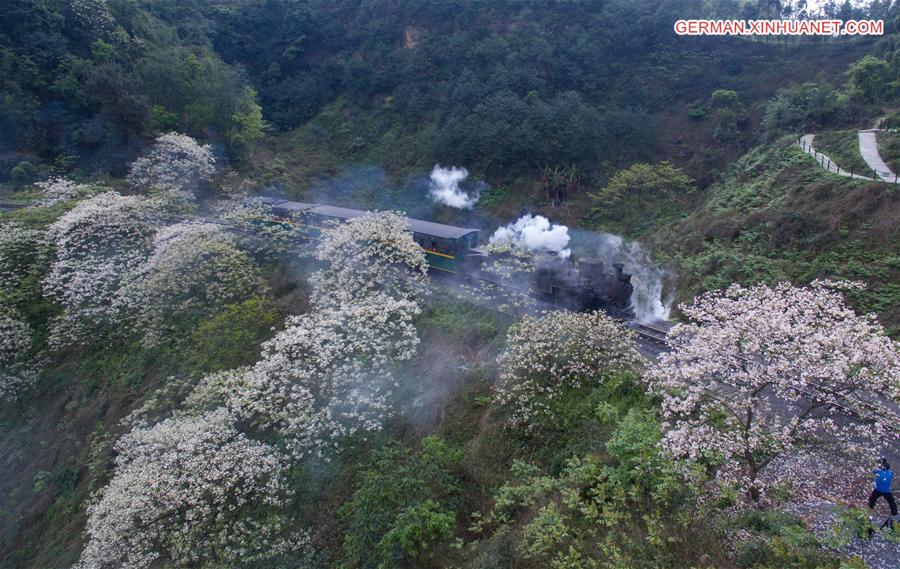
(59, 190)
(93, 15)
(556, 352)
(97, 245)
(193, 490)
(173, 168)
(763, 373)
(193, 270)
(15, 340)
(509, 270)
(189, 492)
(327, 375)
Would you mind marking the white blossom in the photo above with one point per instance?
(94, 15)
(327, 375)
(763, 373)
(96, 244)
(59, 190)
(194, 270)
(173, 168)
(558, 351)
(187, 492)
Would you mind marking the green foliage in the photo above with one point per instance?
(871, 80)
(22, 173)
(247, 122)
(777, 216)
(842, 146)
(232, 338)
(779, 540)
(628, 507)
(403, 504)
(802, 109)
(643, 197)
(110, 83)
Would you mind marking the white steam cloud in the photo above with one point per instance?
(646, 276)
(535, 232)
(444, 187)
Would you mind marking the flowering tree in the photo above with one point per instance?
(372, 255)
(763, 373)
(559, 351)
(15, 341)
(174, 167)
(59, 190)
(187, 492)
(508, 273)
(327, 375)
(194, 270)
(96, 244)
(264, 234)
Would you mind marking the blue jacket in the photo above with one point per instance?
(883, 478)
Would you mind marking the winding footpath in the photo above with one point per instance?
(868, 149)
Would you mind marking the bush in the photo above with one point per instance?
(403, 505)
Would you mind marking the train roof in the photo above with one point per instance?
(415, 225)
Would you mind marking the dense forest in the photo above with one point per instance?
(188, 378)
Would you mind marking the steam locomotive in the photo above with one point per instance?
(451, 250)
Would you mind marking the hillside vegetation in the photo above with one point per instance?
(189, 380)
(776, 215)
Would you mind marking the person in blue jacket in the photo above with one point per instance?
(883, 478)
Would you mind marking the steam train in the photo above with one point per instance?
(451, 250)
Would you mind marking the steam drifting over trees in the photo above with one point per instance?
(194, 270)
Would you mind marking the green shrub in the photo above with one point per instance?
(403, 505)
(233, 337)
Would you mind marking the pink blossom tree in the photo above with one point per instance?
(764, 374)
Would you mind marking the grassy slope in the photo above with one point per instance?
(777, 216)
(842, 146)
(889, 148)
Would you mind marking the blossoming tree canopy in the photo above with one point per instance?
(762, 372)
(194, 269)
(96, 244)
(372, 253)
(559, 351)
(327, 374)
(189, 491)
(175, 162)
(59, 190)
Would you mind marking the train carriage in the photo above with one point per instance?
(451, 249)
(445, 246)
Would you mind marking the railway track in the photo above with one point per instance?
(654, 334)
